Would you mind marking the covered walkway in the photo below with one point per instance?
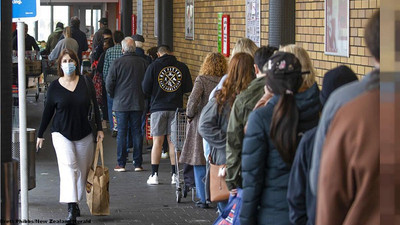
(132, 200)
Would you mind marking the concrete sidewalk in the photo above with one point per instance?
(132, 200)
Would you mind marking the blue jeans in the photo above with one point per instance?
(199, 174)
(110, 117)
(132, 119)
(221, 206)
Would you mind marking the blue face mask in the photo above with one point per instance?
(68, 68)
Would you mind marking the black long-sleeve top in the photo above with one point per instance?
(70, 110)
(30, 43)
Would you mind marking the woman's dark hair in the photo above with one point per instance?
(372, 35)
(285, 117)
(110, 42)
(262, 55)
(118, 37)
(73, 56)
(107, 31)
(240, 74)
(152, 52)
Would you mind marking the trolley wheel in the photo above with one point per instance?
(178, 196)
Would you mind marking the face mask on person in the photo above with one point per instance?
(68, 68)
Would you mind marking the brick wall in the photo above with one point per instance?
(310, 35)
(309, 31)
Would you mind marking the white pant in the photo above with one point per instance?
(74, 161)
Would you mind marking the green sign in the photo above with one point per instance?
(219, 21)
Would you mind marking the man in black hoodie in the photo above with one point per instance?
(166, 80)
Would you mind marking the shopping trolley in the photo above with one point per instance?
(178, 135)
(49, 73)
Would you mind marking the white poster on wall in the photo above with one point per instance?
(139, 17)
(189, 19)
(253, 21)
(337, 27)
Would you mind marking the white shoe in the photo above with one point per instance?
(153, 179)
(164, 155)
(174, 178)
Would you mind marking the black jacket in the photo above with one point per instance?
(30, 43)
(166, 80)
(80, 37)
(140, 52)
(301, 201)
(265, 175)
(124, 80)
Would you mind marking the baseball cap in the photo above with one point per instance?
(138, 37)
(103, 21)
(283, 63)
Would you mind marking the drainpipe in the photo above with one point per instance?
(165, 23)
(281, 22)
(126, 17)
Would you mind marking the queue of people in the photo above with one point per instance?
(291, 148)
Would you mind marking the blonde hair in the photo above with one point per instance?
(306, 64)
(67, 32)
(214, 64)
(244, 45)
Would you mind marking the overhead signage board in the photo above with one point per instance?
(24, 10)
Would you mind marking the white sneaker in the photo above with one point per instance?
(153, 179)
(164, 155)
(174, 178)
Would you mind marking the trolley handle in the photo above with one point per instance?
(180, 110)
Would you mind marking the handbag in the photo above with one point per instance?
(230, 215)
(218, 188)
(97, 186)
(91, 114)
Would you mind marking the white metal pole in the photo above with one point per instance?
(22, 122)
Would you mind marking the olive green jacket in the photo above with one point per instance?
(241, 109)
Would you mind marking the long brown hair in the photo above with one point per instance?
(240, 74)
(214, 65)
(73, 56)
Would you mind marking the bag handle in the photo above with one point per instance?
(99, 149)
(101, 154)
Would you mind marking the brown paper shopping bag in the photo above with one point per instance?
(97, 192)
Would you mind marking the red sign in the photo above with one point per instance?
(225, 26)
(134, 24)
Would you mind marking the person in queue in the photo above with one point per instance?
(349, 168)
(215, 116)
(123, 84)
(68, 102)
(98, 39)
(211, 71)
(302, 203)
(241, 109)
(271, 140)
(166, 80)
(112, 54)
